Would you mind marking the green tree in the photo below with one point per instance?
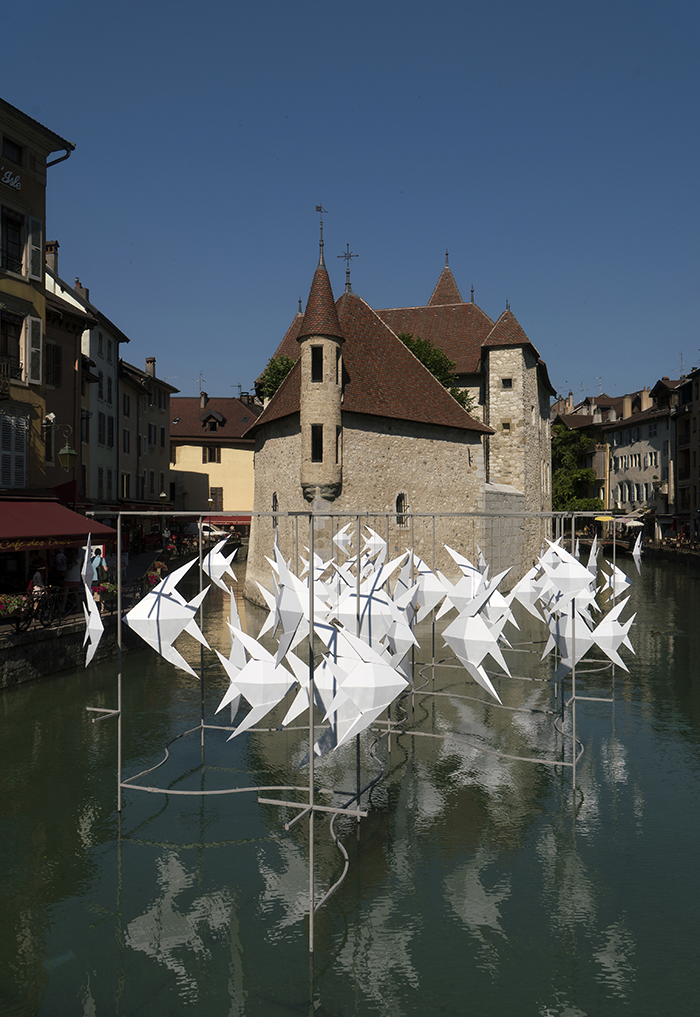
(274, 374)
(569, 479)
(439, 365)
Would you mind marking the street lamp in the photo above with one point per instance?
(67, 455)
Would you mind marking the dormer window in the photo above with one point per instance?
(212, 425)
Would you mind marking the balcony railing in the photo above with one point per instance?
(684, 439)
(10, 370)
(10, 263)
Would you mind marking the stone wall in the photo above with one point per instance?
(435, 469)
(40, 652)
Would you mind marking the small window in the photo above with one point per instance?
(506, 382)
(151, 434)
(161, 480)
(151, 481)
(100, 482)
(317, 363)
(126, 441)
(54, 363)
(275, 508)
(110, 432)
(505, 426)
(162, 437)
(126, 485)
(11, 150)
(109, 351)
(100, 343)
(109, 483)
(211, 425)
(126, 405)
(101, 429)
(100, 385)
(173, 454)
(317, 443)
(338, 444)
(109, 389)
(211, 453)
(401, 505)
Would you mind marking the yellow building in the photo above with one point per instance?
(25, 146)
(211, 462)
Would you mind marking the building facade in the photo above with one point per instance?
(25, 147)
(144, 436)
(211, 459)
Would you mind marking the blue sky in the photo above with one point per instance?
(551, 146)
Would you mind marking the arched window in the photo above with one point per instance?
(275, 508)
(401, 506)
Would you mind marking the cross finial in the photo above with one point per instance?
(447, 259)
(348, 255)
(320, 209)
(472, 294)
(299, 305)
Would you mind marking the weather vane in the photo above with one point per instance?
(321, 211)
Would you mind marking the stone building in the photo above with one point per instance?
(360, 425)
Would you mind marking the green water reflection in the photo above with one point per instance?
(477, 883)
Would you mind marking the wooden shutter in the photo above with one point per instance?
(34, 350)
(13, 451)
(36, 249)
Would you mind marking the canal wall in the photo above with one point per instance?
(40, 652)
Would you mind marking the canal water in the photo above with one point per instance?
(478, 883)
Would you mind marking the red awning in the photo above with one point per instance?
(37, 525)
(227, 520)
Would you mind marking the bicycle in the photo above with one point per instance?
(38, 606)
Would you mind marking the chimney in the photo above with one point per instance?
(626, 406)
(570, 403)
(203, 400)
(82, 291)
(151, 366)
(52, 255)
(646, 400)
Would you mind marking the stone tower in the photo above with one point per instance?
(321, 392)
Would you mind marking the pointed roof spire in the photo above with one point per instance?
(321, 317)
(446, 291)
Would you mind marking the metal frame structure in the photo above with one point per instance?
(311, 806)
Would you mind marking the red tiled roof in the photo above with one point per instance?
(321, 317)
(188, 418)
(574, 421)
(508, 332)
(381, 377)
(446, 291)
(458, 329)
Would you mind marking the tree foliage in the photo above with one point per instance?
(274, 374)
(439, 365)
(570, 480)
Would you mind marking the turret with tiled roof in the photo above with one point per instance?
(320, 390)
